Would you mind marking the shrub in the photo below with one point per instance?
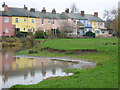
(69, 52)
(32, 51)
(40, 34)
(90, 34)
(58, 31)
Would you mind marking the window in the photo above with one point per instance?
(6, 30)
(97, 31)
(49, 21)
(103, 32)
(24, 29)
(53, 21)
(59, 22)
(94, 23)
(25, 19)
(42, 21)
(101, 24)
(6, 56)
(32, 20)
(16, 20)
(83, 22)
(6, 19)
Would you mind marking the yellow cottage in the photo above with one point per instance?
(93, 23)
(23, 19)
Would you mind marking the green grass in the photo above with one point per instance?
(95, 43)
(104, 75)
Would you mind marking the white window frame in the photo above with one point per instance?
(53, 21)
(49, 21)
(6, 30)
(16, 20)
(101, 24)
(42, 21)
(25, 20)
(6, 19)
(33, 21)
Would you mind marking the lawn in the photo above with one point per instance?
(104, 75)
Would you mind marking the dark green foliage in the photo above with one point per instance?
(58, 32)
(32, 51)
(21, 34)
(90, 34)
(40, 34)
(69, 52)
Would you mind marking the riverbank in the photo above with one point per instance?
(104, 75)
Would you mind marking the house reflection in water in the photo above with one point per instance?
(27, 67)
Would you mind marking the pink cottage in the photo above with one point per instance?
(6, 27)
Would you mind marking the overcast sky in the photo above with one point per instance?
(89, 6)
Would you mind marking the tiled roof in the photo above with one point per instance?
(72, 16)
(93, 18)
(48, 15)
(78, 16)
(20, 12)
(2, 13)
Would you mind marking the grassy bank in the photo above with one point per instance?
(104, 75)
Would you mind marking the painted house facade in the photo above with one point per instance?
(47, 21)
(26, 20)
(23, 19)
(6, 27)
(81, 22)
(91, 22)
(98, 25)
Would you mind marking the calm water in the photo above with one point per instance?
(22, 70)
(31, 70)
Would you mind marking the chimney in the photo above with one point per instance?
(67, 10)
(82, 13)
(43, 10)
(96, 14)
(25, 7)
(5, 7)
(32, 10)
(54, 11)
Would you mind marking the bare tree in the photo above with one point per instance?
(67, 27)
(74, 8)
(114, 16)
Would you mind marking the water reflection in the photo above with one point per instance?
(21, 70)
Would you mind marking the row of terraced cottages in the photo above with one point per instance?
(25, 20)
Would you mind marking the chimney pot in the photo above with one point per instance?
(43, 10)
(25, 7)
(82, 13)
(96, 14)
(67, 10)
(5, 7)
(32, 10)
(54, 11)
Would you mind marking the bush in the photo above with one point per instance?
(21, 34)
(69, 52)
(40, 34)
(32, 51)
(90, 34)
(58, 31)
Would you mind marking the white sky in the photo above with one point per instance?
(89, 6)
